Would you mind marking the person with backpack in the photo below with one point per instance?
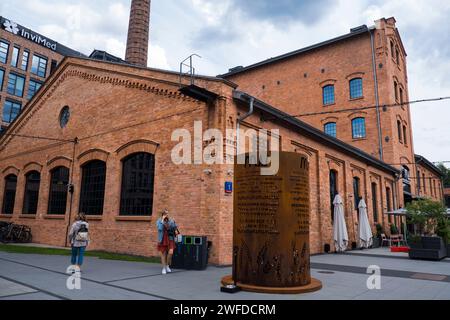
(167, 231)
(79, 239)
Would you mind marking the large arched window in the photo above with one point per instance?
(93, 187)
(356, 88)
(356, 191)
(333, 190)
(31, 195)
(9, 196)
(359, 128)
(330, 128)
(138, 172)
(59, 179)
(406, 179)
(328, 94)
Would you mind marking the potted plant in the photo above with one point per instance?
(432, 231)
(377, 238)
(415, 241)
(394, 229)
(443, 231)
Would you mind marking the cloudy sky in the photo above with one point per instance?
(228, 33)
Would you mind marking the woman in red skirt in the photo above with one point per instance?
(166, 239)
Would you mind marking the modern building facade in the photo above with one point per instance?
(27, 58)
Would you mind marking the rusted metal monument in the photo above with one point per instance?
(271, 228)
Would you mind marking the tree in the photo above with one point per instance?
(429, 216)
(446, 173)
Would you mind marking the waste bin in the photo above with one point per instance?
(191, 253)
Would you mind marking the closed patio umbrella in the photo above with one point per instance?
(365, 232)
(340, 234)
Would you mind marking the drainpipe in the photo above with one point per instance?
(240, 119)
(397, 177)
(377, 101)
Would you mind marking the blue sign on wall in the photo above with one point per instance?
(228, 187)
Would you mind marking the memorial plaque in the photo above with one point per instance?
(271, 225)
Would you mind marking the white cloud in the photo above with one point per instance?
(157, 57)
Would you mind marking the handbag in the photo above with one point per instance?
(178, 236)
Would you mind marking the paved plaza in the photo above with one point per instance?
(344, 276)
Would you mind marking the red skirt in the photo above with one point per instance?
(166, 244)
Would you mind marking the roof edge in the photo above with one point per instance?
(428, 163)
(357, 31)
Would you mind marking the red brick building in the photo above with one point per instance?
(116, 111)
(355, 88)
(106, 129)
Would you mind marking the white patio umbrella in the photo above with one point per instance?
(340, 234)
(364, 230)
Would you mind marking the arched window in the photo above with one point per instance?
(400, 91)
(396, 90)
(330, 128)
(356, 88)
(374, 202)
(138, 172)
(333, 190)
(399, 129)
(424, 183)
(9, 196)
(434, 188)
(418, 179)
(405, 173)
(31, 196)
(356, 193)
(404, 135)
(358, 128)
(59, 179)
(328, 94)
(93, 187)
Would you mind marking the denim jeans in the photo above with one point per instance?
(77, 252)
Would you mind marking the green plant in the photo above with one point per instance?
(443, 230)
(429, 216)
(394, 229)
(380, 230)
(415, 239)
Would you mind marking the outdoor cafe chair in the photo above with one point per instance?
(385, 239)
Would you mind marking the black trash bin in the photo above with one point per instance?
(191, 253)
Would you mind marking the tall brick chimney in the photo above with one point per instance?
(138, 30)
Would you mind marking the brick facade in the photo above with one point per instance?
(117, 110)
(138, 32)
(294, 84)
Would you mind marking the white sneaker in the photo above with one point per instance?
(168, 269)
(164, 271)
